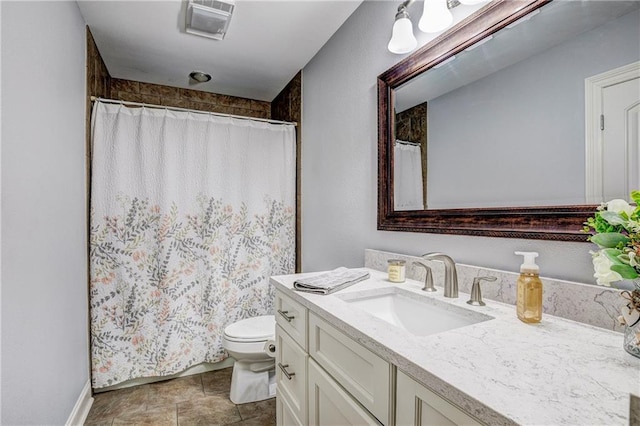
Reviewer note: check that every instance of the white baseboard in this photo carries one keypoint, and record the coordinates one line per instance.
(82, 407)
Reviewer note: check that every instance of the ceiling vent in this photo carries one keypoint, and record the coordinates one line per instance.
(209, 18)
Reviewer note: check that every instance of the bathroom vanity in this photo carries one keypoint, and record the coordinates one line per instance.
(368, 355)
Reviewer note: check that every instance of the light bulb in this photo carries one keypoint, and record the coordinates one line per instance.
(402, 38)
(436, 16)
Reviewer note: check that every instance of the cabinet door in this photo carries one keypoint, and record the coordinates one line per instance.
(417, 405)
(362, 373)
(291, 373)
(285, 415)
(292, 317)
(329, 404)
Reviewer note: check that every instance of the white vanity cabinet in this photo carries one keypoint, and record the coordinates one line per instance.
(291, 375)
(292, 317)
(417, 405)
(324, 377)
(291, 361)
(327, 378)
(330, 404)
(363, 374)
(285, 413)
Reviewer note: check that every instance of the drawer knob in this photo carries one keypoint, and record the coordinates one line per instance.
(284, 314)
(285, 372)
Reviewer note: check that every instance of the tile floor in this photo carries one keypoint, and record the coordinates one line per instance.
(201, 399)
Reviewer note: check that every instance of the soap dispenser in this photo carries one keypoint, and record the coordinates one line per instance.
(529, 300)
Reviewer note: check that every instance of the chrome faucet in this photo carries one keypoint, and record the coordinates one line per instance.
(450, 274)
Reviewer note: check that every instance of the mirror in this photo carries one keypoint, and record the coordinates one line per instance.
(502, 98)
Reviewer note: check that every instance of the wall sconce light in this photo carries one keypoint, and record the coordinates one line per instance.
(402, 38)
(436, 17)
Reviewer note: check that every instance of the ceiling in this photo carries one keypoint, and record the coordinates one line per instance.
(266, 44)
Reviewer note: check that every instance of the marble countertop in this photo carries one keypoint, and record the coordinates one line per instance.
(502, 371)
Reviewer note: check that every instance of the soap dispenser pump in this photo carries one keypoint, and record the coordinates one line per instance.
(529, 298)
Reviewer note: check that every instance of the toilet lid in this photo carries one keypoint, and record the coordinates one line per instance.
(256, 328)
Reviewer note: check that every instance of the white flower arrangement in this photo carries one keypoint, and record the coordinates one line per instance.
(615, 228)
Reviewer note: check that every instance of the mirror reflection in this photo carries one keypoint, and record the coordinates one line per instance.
(514, 120)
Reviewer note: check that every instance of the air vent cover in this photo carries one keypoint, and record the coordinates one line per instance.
(209, 18)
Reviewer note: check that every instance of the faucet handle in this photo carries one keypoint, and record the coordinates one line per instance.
(476, 295)
(428, 279)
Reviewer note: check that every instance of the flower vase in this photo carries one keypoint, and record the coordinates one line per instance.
(631, 314)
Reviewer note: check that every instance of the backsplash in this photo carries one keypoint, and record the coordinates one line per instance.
(589, 304)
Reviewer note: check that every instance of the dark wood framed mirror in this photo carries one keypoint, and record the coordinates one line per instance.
(549, 222)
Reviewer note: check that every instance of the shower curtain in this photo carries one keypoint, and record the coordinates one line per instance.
(190, 215)
(407, 177)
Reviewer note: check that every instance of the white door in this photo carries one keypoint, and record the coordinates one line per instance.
(620, 139)
(612, 101)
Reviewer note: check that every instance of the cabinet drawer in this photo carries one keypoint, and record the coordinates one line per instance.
(292, 317)
(362, 373)
(285, 415)
(418, 405)
(329, 404)
(291, 373)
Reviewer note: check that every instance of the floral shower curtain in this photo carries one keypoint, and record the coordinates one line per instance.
(190, 215)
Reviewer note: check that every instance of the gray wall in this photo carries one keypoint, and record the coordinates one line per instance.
(339, 164)
(521, 131)
(44, 269)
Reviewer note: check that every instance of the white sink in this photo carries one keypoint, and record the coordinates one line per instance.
(417, 314)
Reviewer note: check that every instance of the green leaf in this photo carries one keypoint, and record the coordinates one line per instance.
(600, 225)
(625, 271)
(613, 254)
(613, 218)
(624, 258)
(635, 196)
(609, 239)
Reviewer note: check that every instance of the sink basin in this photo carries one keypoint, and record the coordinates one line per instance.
(419, 315)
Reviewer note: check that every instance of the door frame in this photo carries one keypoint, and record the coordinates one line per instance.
(594, 87)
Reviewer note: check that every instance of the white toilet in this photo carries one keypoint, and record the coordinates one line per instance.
(251, 343)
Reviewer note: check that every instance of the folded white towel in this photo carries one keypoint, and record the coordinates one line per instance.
(332, 281)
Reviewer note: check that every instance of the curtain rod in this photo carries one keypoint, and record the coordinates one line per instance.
(115, 101)
(407, 143)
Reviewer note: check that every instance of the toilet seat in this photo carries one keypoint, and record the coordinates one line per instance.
(245, 350)
(236, 340)
(255, 329)
(251, 343)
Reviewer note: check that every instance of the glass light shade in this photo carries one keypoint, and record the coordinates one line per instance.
(471, 2)
(436, 16)
(402, 38)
